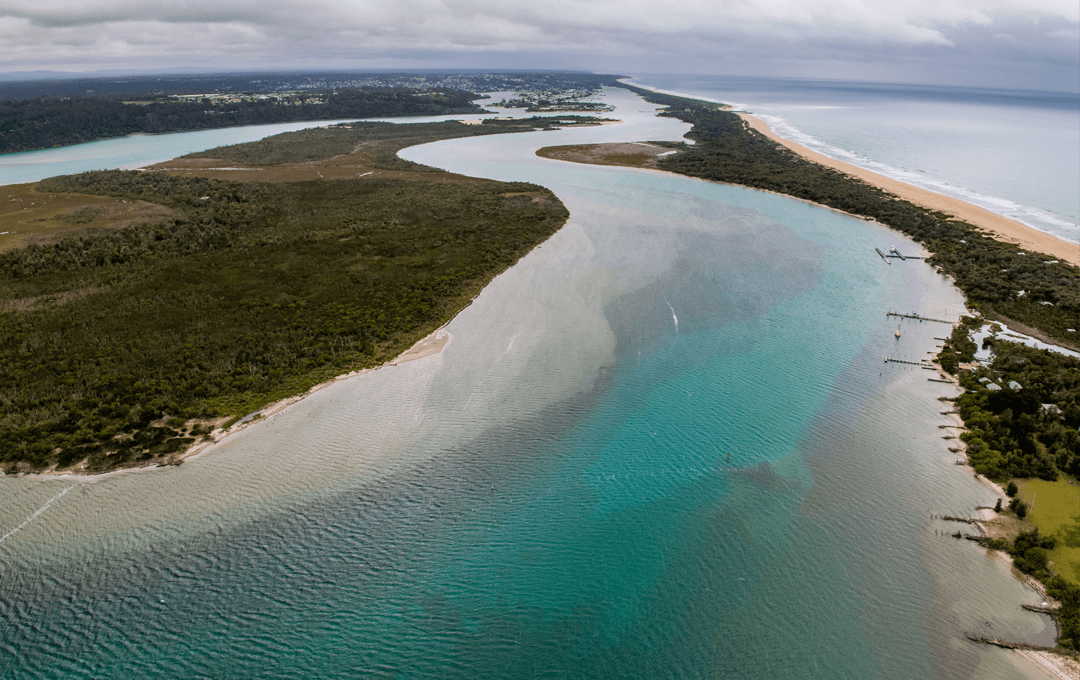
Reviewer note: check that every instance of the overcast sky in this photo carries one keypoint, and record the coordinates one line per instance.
(1028, 44)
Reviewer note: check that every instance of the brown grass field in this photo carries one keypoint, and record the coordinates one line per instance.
(27, 216)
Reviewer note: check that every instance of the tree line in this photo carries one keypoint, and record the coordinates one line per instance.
(57, 121)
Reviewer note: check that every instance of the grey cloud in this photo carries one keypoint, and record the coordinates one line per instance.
(815, 37)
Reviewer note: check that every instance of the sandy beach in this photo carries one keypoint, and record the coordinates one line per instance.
(1000, 227)
(1054, 665)
(433, 343)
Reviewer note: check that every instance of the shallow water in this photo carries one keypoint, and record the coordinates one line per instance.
(656, 447)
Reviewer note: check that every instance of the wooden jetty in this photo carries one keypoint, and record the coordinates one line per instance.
(905, 361)
(916, 316)
(893, 252)
(965, 520)
(1005, 644)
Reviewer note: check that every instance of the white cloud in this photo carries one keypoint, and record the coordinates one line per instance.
(1065, 34)
(88, 34)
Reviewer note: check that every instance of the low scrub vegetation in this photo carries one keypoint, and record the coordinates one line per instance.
(116, 341)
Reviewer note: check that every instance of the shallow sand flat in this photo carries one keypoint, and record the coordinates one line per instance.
(1001, 227)
(1053, 665)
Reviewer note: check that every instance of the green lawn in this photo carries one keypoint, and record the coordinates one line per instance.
(1056, 513)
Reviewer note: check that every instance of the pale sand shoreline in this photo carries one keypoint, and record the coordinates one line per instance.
(1054, 665)
(998, 226)
(434, 343)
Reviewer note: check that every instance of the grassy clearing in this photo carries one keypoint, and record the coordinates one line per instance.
(29, 216)
(1056, 512)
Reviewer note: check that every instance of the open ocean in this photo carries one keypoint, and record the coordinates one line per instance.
(1015, 153)
(654, 448)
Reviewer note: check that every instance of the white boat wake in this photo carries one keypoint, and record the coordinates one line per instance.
(40, 510)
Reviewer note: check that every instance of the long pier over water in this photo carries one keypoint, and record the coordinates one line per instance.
(893, 252)
(905, 361)
(917, 317)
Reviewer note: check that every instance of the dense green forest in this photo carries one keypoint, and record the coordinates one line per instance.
(1025, 431)
(119, 345)
(991, 273)
(57, 121)
(469, 81)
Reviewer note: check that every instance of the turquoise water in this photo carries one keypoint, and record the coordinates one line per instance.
(1011, 152)
(136, 151)
(130, 152)
(663, 445)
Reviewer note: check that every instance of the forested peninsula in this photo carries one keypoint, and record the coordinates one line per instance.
(58, 121)
(122, 344)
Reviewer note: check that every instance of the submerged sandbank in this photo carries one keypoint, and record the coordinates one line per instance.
(999, 226)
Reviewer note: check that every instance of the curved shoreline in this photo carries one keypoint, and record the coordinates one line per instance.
(433, 343)
(322, 384)
(999, 226)
(1050, 663)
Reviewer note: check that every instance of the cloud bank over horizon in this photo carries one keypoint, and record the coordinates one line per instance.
(1032, 44)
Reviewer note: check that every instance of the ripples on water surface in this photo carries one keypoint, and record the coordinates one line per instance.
(663, 445)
